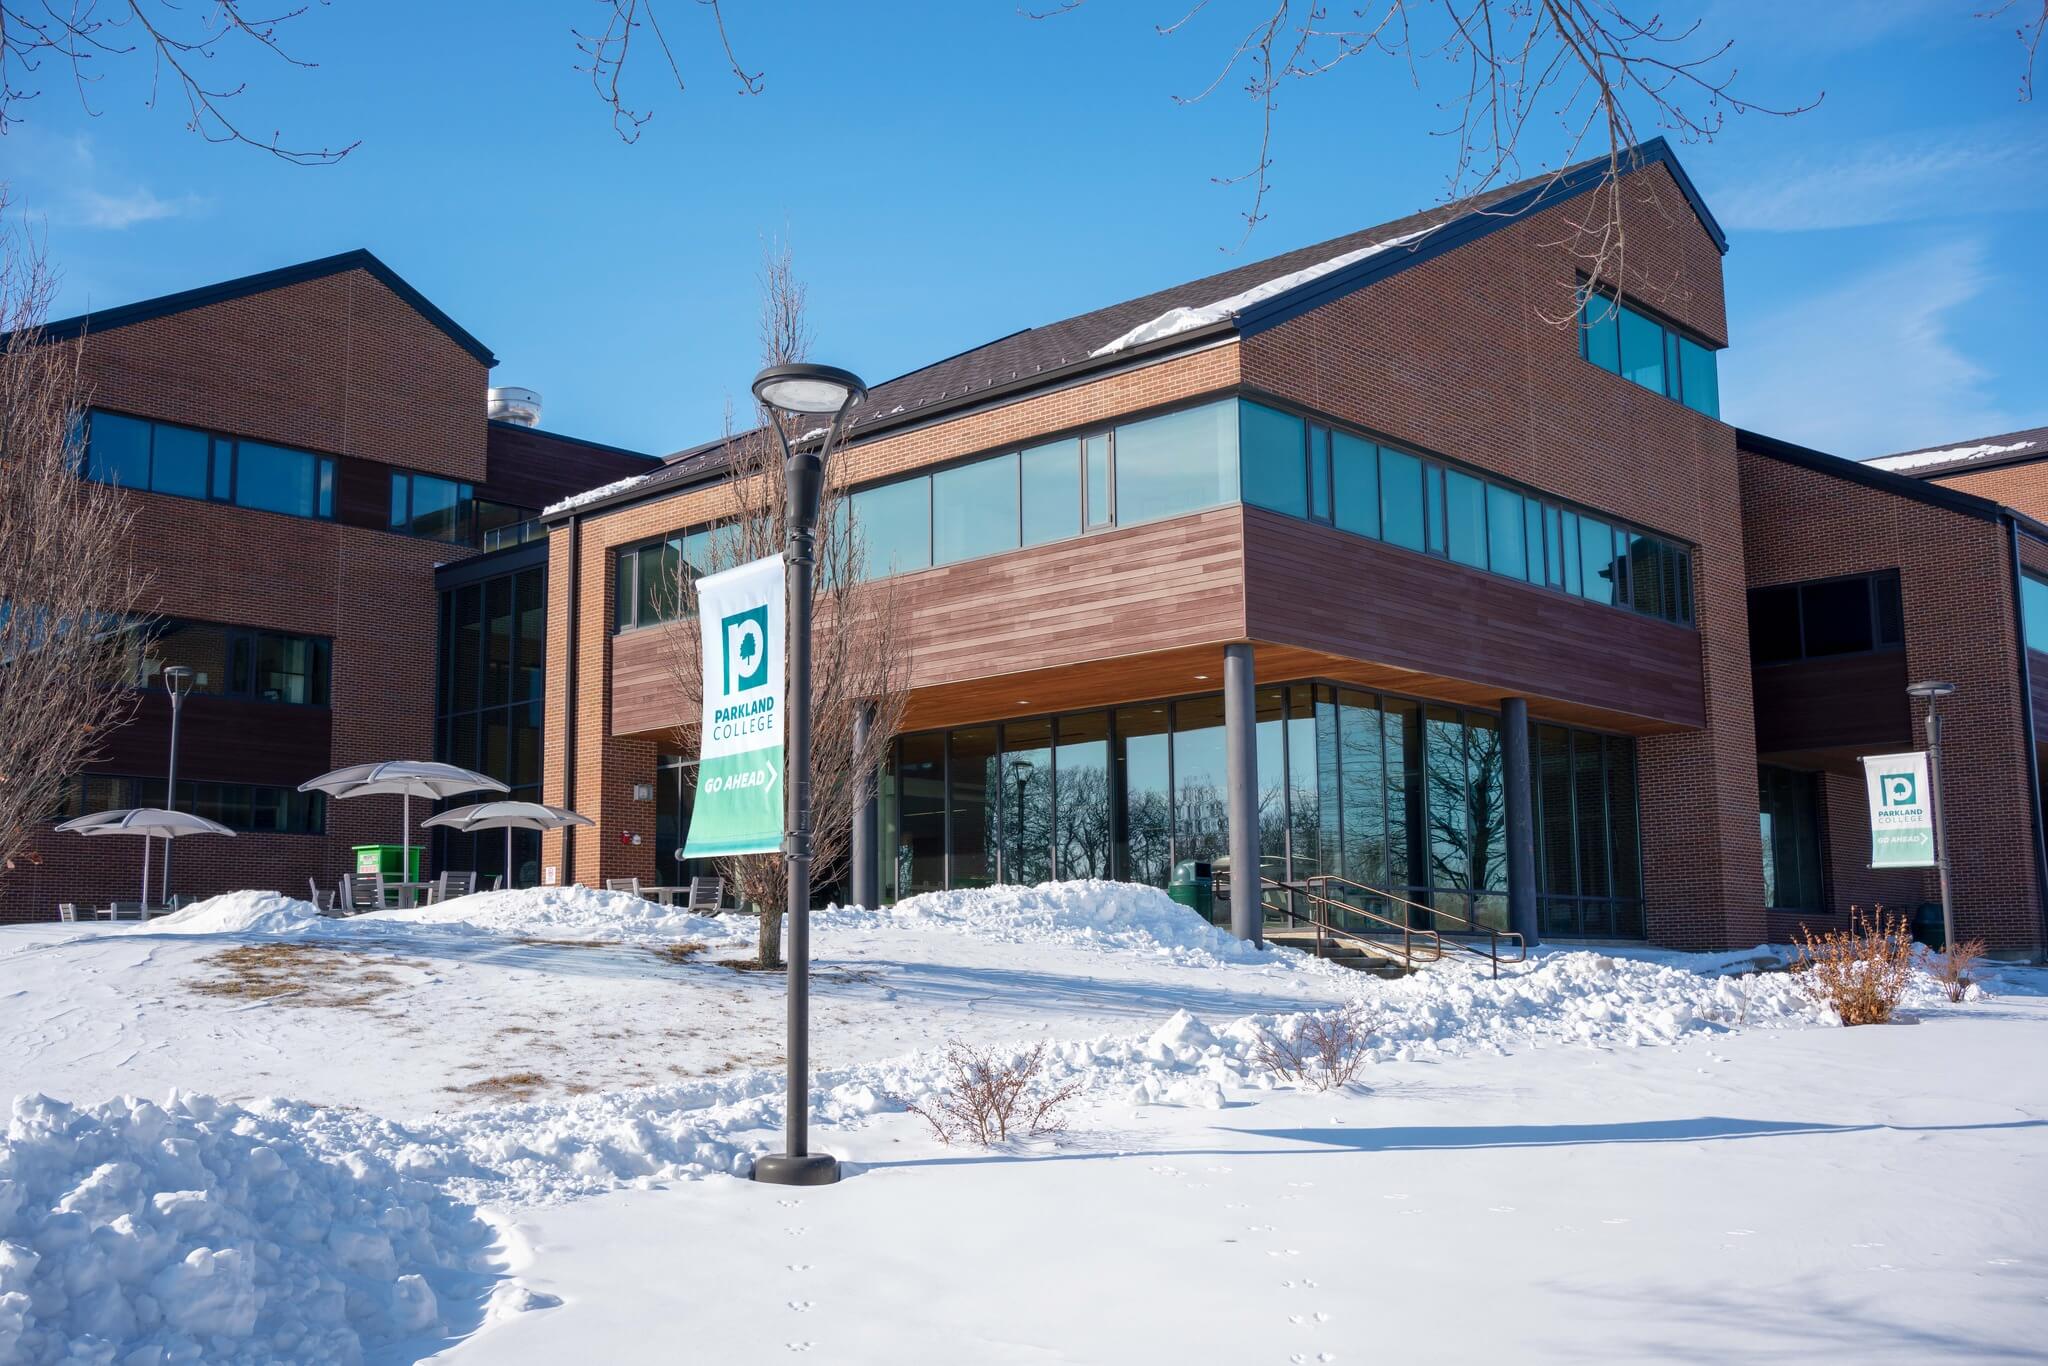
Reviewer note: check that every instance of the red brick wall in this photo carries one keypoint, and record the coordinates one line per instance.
(1955, 582)
(2024, 487)
(1463, 356)
(341, 366)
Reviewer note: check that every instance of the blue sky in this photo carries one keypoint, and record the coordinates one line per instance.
(991, 173)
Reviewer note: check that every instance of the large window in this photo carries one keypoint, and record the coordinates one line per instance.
(236, 661)
(1629, 342)
(1826, 617)
(134, 453)
(1788, 817)
(1399, 795)
(248, 807)
(493, 646)
(438, 509)
(2034, 608)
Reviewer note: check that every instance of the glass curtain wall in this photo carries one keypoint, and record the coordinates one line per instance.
(1395, 794)
(493, 646)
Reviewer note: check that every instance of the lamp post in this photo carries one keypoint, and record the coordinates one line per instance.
(1932, 691)
(178, 680)
(1020, 770)
(796, 393)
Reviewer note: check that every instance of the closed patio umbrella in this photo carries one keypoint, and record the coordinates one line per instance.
(510, 816)
(149, 822)
(407, 778)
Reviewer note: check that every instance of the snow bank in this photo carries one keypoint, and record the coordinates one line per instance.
(576, 912)
(271, 913)
(1175, 321)
(1115, 917)
(199, 1231)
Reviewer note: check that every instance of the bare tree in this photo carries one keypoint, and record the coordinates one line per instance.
(84, 38)
(857, 660)
(65, 577)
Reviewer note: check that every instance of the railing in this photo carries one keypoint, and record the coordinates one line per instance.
(519, 533)
(1460, 924)
(1417, 945)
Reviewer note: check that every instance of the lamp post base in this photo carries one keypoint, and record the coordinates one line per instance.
(812, 1169)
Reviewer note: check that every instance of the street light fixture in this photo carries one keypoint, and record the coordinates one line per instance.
(790, 392)
(178, 681)
(1932, 691)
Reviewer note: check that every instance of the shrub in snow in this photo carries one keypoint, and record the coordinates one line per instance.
(199, 1231)
(1862, 972)
(1956, 970)
(986, 1094)
(1323, 1050)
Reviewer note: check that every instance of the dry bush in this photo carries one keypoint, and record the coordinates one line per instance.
(987, 1094)
(1324, 1051)
(1957, 971)
(1860, 972)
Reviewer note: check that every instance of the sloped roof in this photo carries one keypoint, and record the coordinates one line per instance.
(1240, 301)
(106, 319)
(1985, 452)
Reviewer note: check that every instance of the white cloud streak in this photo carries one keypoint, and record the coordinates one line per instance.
(1894, 181)
(1870, 366)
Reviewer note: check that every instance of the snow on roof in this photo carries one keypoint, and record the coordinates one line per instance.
(1175, 321)
(1952, 455)
(577, 500)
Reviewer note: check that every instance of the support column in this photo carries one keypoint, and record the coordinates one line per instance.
(1241, 755)
(866, 888)
(1521, 817)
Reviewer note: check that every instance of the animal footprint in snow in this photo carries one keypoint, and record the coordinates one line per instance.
(1308, 1320)
(1258, 1228)
(1303, 1358)
(1740, 1232)
(799, 1346)
(789, 1204)
(799, 1266)
(1284, 1252)
(796, 1230)
(801, 1306)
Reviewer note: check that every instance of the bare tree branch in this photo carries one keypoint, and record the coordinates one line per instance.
(66, 583)
(2029, 33)
(82, 35)
(607, 50)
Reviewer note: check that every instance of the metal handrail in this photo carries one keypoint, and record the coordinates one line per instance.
(1494, 937)
(1430, 940)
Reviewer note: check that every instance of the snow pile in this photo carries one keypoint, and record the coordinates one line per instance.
(577, 500)
(573, 913)
(271, 913)
(1115, 917)
(1922, 459)
(198, 1231)
(1175, 321)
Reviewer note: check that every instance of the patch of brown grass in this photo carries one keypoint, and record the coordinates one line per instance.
(533, 941)
(320, 975)
(679, 952)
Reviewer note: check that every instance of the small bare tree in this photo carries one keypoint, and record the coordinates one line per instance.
(857, 659)
(65, 578)
(988, 1093)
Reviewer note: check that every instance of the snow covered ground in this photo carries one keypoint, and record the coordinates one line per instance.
(505, 1130)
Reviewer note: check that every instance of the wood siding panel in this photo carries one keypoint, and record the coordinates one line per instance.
(1857, 700)
(1328, 591)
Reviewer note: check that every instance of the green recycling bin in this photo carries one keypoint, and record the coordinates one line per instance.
(1193, 886)
(386, 859)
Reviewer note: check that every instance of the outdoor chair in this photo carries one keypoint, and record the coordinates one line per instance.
(498, 882)
(361, 893)
(125, 910)
(622, 884)
(67, 912)
(451, 885)
(705, 895)
(323, 902)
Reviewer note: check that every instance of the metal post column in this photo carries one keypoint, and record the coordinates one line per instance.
(1521, 817)
(1948, 921)
(1241, 756)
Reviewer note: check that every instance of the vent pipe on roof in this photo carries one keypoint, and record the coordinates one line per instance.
(511, 404)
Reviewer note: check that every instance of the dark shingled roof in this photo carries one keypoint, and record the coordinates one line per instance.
(1062, 349)
(1984, 452)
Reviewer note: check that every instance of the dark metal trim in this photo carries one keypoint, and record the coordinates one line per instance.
(2027, 728)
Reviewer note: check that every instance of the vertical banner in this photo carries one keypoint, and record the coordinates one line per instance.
(1901, 810)
(739, 807)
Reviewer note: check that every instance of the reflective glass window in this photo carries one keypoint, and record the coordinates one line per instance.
(1052, 492)
(117, 450)
(1506, 534)
(895, 527)
(1401, 498)
(1176, 463)
(1465, 515)
(974, 509)
(1273, 458)
(1355, 483)
(178, 461)
(1642, 349)
(1699, 377)
(1596, 560)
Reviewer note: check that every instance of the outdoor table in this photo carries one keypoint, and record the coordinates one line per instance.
(666, 895)
(407, 893)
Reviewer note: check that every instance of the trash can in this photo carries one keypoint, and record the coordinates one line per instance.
(385, 859)
(1193, 886)
(1927, 926)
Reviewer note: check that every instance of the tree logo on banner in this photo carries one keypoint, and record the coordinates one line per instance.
(746, 649)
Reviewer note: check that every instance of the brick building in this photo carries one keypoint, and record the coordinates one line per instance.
(1459, 550)
(302, 449)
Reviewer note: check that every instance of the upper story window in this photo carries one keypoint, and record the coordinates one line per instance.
(1207, 456)
(436, 508)
(1303, 468)
(250, 807)
(1826, 617)
(2034, 610)
(236, 661)
(135, 453)
(1623, 339)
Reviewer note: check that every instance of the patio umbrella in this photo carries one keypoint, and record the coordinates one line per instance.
(407, 778)
(511, 816)
(149, 822)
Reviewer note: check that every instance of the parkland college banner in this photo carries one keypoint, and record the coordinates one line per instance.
(739, 804)
(1901, 813)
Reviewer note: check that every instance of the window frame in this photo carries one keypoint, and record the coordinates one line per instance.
(1871, 579)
